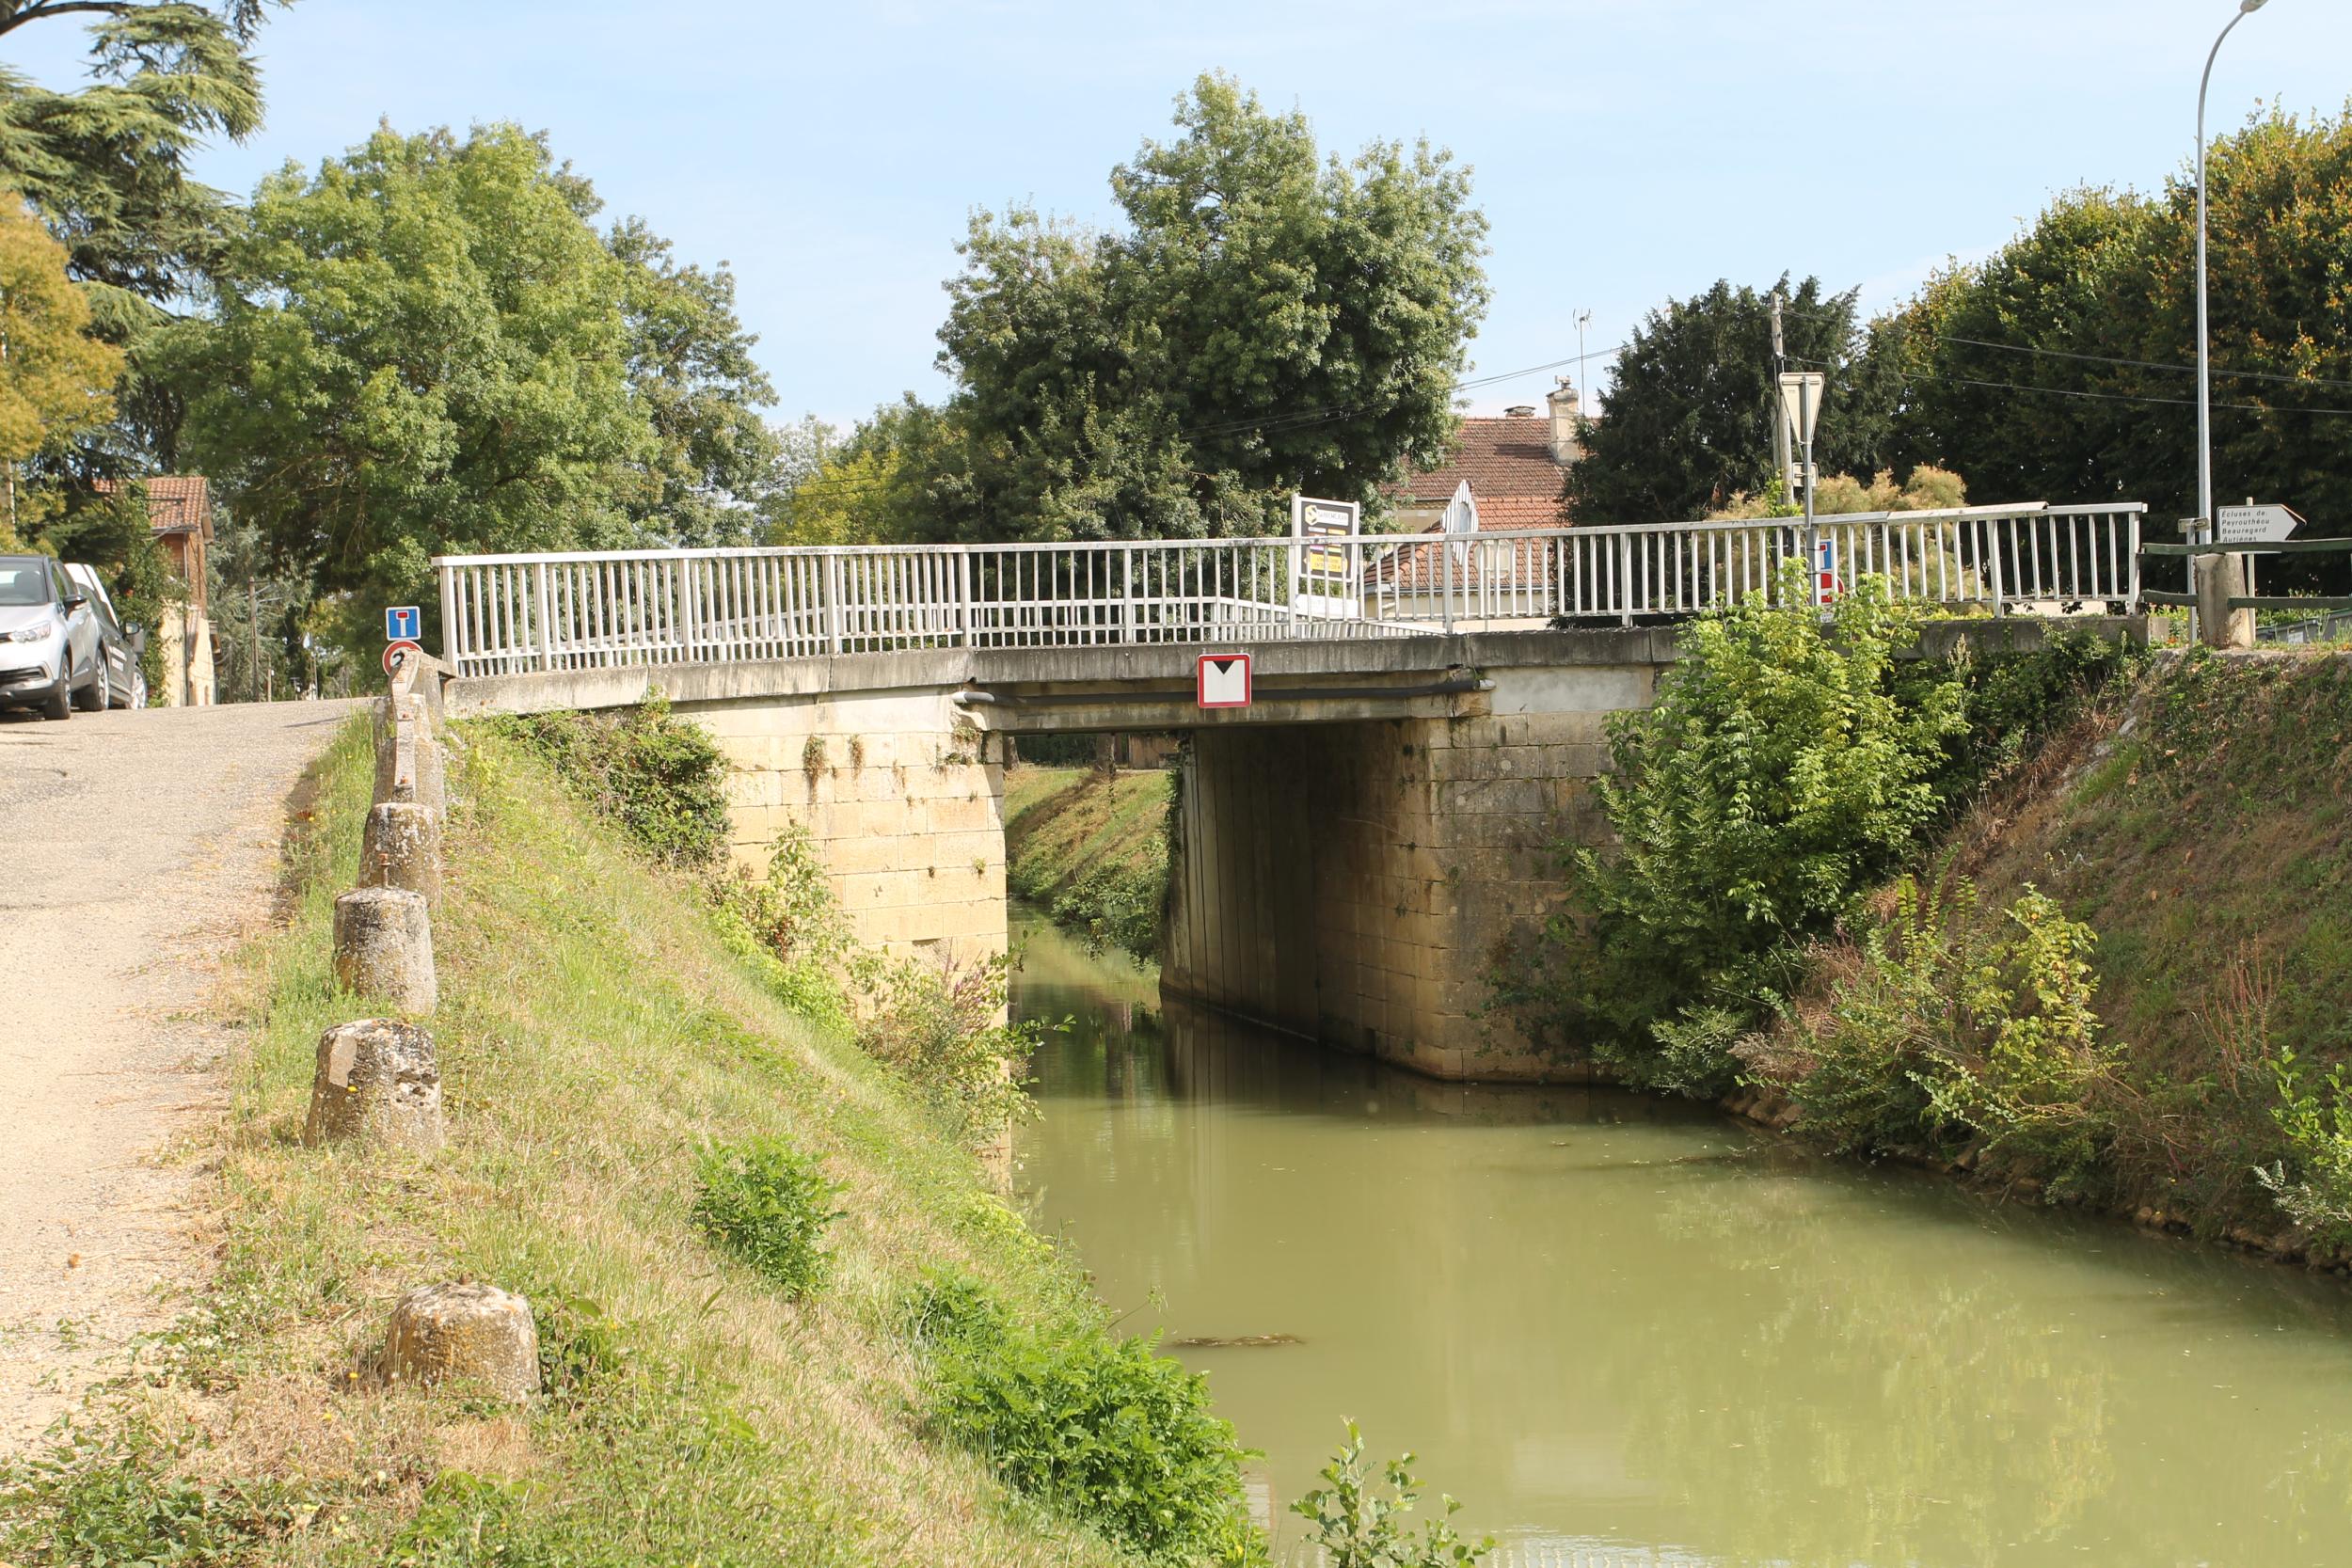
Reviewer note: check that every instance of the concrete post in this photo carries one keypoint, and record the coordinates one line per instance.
(377, 1084)
(478, 1333)
(384, 948)
(400, 846)
(2221, 578)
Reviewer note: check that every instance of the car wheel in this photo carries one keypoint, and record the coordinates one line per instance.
(58, 704)
(138, 688)
(92, 698)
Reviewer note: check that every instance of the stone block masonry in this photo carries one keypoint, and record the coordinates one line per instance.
(903, 795)
(1359, 882)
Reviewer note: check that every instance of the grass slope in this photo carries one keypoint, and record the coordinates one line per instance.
(1091, 848)
(594, 1034)
(2204, 833)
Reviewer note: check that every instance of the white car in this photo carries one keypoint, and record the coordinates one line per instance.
(49, 639)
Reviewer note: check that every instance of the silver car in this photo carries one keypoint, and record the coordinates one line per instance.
(49, 653)
(119, 645)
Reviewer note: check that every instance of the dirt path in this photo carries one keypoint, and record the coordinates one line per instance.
(135, 850)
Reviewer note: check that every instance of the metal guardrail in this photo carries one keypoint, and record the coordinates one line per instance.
(504, 614)
(2251, 601)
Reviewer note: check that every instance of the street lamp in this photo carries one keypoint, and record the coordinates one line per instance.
(2204, 356)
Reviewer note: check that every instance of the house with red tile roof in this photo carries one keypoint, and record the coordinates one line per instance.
(180, 515)
(1516, 465)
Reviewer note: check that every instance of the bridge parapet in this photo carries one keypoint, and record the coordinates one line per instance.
(510, 614)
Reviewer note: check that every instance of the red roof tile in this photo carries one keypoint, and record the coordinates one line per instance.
(176, 503)
(1505, 460)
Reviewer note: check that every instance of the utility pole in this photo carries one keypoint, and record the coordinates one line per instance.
(1782, 455)
(253, 627)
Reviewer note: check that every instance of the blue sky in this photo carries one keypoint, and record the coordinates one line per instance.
(1624, 152)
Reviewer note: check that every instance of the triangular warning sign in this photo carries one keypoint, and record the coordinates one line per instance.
(1222, 680)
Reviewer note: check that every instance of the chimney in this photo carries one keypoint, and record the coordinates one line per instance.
(1564, 448)
(1519, 411)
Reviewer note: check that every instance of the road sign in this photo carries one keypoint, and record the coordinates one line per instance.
(1801, 403)
(397, 649)
(2253, 525)
(1323, 572)
(1222, 680)
(1825, 568)
(401, 622)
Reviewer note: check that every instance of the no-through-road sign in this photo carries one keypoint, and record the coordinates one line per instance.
(401, 622)
(1222, 680)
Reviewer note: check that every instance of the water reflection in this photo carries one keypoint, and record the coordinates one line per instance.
(1624, 1331)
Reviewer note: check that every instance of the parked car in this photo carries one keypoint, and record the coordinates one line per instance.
(49, 654)
(119, 646)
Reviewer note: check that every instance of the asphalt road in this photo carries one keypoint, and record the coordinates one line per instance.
(136, 849)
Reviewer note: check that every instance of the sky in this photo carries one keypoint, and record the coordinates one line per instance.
(1624, 153)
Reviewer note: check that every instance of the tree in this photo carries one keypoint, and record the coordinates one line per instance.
(713, 458)
(2063, 367)
(1268, 320)
(865, 488)
(55, 379)
(1693, 402)
(422, 347)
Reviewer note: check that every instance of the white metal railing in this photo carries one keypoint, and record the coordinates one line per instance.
(506, 614)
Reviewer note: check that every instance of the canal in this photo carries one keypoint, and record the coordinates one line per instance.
(1628, 1332)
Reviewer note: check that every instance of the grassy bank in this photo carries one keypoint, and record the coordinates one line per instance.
(1091, 847)
(596, 1038)
(2127, 977)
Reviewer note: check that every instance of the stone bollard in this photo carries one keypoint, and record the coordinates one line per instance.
(2219, 578)
(402, 848)
(476, 1332)
(377, 1084)
(384, 948)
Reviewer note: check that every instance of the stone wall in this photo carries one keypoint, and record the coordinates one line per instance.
(903, 797)
(1359, 882)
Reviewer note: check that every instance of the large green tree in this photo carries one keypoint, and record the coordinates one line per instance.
(1265, 319)
(1692, 400)
(421, 346)
(2062, 367)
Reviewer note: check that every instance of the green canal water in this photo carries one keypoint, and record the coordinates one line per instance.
(1624, 1332)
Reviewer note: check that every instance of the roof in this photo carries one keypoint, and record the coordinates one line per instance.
(1511, 472)
(176, 503)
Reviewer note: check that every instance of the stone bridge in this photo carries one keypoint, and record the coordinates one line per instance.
(1355, 850)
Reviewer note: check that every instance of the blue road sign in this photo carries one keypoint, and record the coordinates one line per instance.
(401, 622)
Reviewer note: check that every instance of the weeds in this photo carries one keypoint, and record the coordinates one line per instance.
(768, 1205)
(1356, 1526)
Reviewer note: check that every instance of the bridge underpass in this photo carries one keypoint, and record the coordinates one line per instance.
(1356, 851)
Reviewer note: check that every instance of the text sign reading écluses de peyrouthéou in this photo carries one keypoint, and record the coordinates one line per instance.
(1222, 680)
(401, 622)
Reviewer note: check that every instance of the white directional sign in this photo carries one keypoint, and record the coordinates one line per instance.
(1222, 680)
(2253, 525)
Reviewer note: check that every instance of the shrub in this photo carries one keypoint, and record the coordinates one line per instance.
(1776, 775)
(1096, 1426)
(1939, 1033)
(1358, 1528)
(768, 1205)
(661, 778)
(944, 1030)
(2315, 1189)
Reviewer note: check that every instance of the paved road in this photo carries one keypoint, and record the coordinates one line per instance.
(135, 850)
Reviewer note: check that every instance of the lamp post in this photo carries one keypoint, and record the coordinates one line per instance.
(2204, 353)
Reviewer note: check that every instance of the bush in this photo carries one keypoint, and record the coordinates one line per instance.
(662, 779)
(768, 1205)
(2315, 1188)
(1939, 1034)
(944, 1031)
(1120, 905)
(1096, 1426)
(1356, 1527)
(1777, 774)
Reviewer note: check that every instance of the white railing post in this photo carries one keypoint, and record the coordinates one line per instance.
(833, 603)
(542, 618)
(964, 595)
(452, 630)
(686, 614)
(1625, 577)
